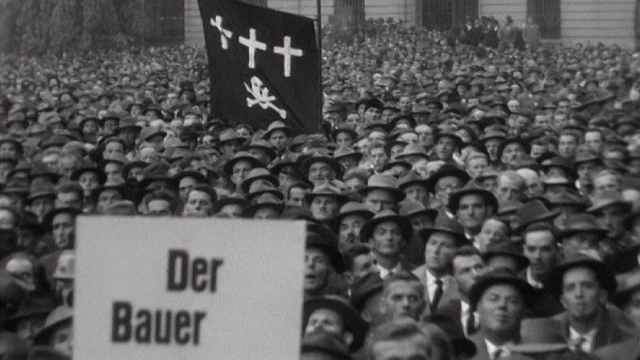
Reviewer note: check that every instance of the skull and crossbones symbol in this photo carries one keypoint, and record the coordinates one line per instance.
(262, 97)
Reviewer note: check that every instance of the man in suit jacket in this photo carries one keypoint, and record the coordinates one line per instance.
(583, 284)
(388, 233)
(441, 241)
(501, 299)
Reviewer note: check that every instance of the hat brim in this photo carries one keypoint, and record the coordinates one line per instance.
(522, 262)
(460, 239)
(366, 232)
(228, 167)
(489, 198)
(337, 260)
(604, 274)
(523, 287)
(306, 164)
(397, 194)
(599, 206)
(432, 181)
(352, 320)
(250, 210)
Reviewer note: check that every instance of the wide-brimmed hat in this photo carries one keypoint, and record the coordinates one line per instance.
(364, 288)
(230, 135)
(326, 241)
(262, 201)
(326, 189)
(383, 182)
(445, 171)
(241, 156)
(444, 224)
(126, 168)
(40, 189)
(258, 174)
(148, 133)
(514, 140)
(15, 142)
(344, 129)
(506, 248)
(316, 158)
(127, 123)
(265, 146)
(609, 198)
(603, 272)
(412, 208)
(413, 150)
(450, 134)
(496, 277)
(581, 223)
(411, 178)
(38, 169)
(121, 188)
(275, 126)
(353, 322)
(343, 152)
(201, 179)
(32, 306)
(567, 197)
(158, 171)
(57, 317)
(472, 188)
(350, 208)
(540, 335)
(532, 212)
(89, 167)
(259, 188)
(562, 163)
(228, 200)
(366, 232)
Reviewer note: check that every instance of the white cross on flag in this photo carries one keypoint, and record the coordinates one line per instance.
(264, 65)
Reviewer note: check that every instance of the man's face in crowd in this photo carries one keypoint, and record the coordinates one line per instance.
(279, 139)
(22, 269)
(296, 196)
(501, 309)
(149, 155)
(8, 149)
(512, 153)
(541, 250)
(404, 103)
(343, 139)
(611, 218)
(578, 242)
(63, 226)
(560, 120)
(445, 147)
(113, 148)
(240, 171)
(508, 189)
(476, 167)
(378, 158)
(593, 139)
(198, 204)
(541, 121)
(378, 200)
(324, 207)
(586, 170)
(41, 206)
(106, 198)
(533, 183)
(353, 121)
(466, 270)
(582, 295)
(387, 240)
(472, 211)
(88, 181)
(403, 299)
(364, 265)
(320, 172)
(567, 146)
(492, 148)
(438, 253)
(446, 186)
(493, 231)
(62, 339)
(372, 114)
(185, 186)
(230, 148)
(317, 270)
(537, 150)
(328, 321)
(349, 231)
(418, 193)
(606, 182)
(114, 173)
(425, 135)
(396, 150)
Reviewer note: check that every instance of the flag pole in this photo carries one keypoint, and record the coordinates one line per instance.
(319, 40)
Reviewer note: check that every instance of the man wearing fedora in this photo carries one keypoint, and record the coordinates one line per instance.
(348, 224)
(388, 233)
(381, 193)
(441, 241)
(610, 210)
(322, 261)
(334, 314)
(581, 232)
(472, 205)
(403, 296)
(501, 300)
(584, 285)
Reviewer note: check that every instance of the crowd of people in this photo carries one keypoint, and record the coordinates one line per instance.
(465, 201)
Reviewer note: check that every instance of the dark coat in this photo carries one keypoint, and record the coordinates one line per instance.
(449, 293)
(483, 354)
(610, 329)
(626, 350)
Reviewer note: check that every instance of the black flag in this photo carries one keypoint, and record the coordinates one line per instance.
(264, 65)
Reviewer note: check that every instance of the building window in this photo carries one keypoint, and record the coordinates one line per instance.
(546, 14)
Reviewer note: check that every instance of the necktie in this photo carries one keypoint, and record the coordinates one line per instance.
(471, 324)
(436, 296)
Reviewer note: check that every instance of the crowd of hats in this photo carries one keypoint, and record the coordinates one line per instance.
(131, 134)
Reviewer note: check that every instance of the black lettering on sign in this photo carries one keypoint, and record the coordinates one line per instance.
(198, 273)
(157, 326)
